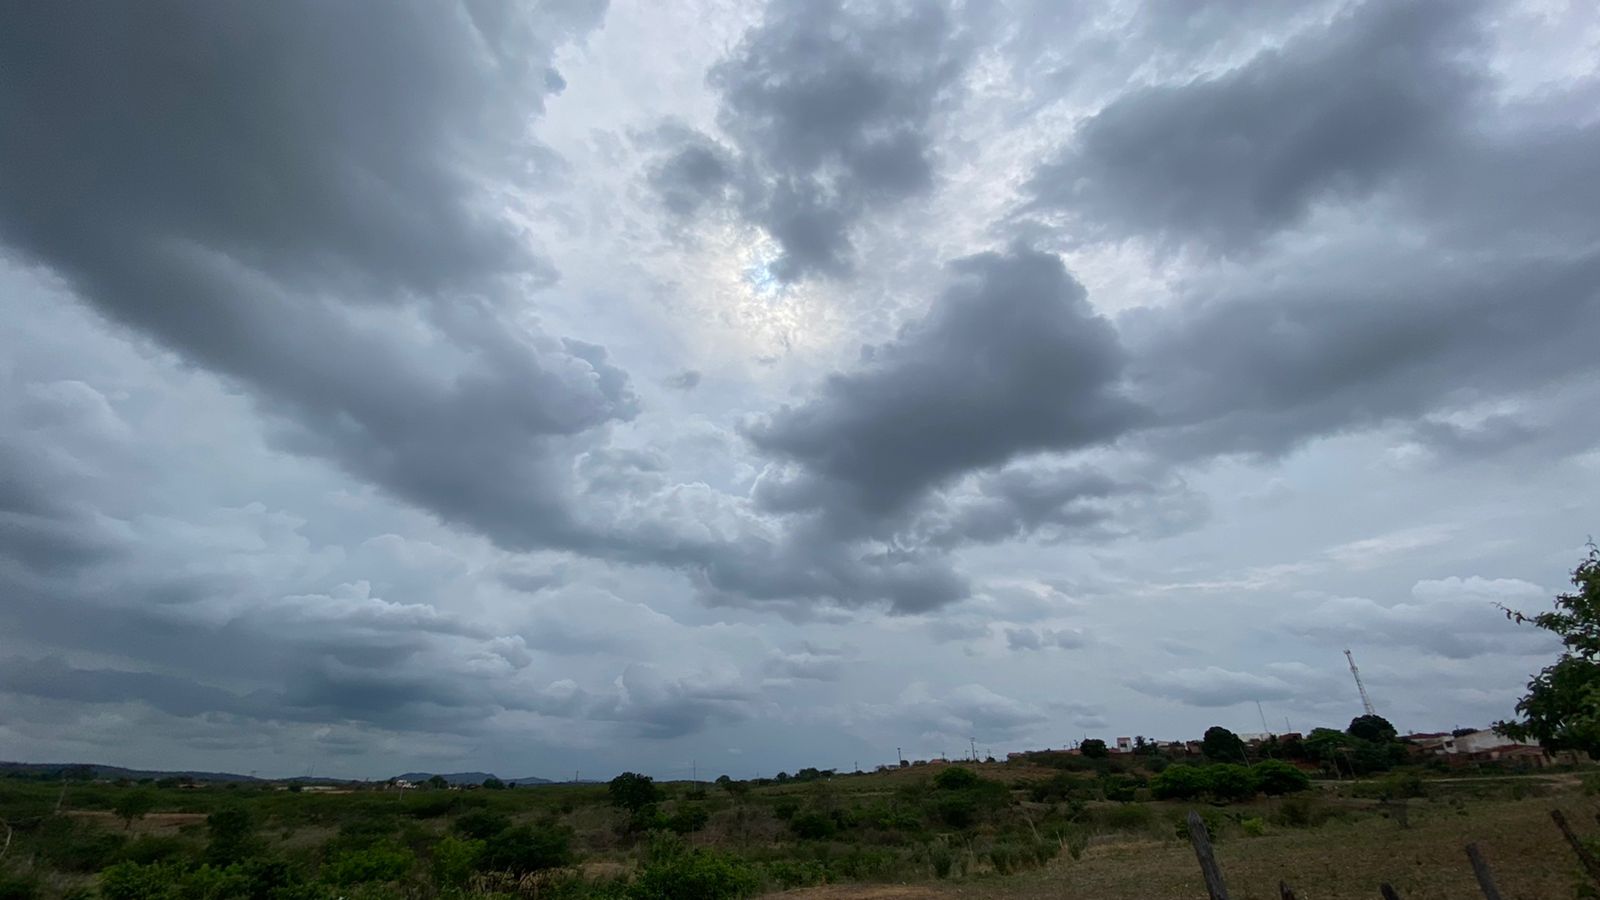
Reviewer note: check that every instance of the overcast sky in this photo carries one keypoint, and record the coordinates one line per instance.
(586, 387)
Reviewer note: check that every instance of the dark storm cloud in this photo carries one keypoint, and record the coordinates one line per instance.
(1010, 360)
(830, 108)
(1345, 343)
(291, 194)
(1226, 160)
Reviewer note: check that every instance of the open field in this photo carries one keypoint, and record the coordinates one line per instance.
(1007, 831)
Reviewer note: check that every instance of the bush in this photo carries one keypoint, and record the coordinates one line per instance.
(1119, 788)
(633, 791)
(1302, 811)
(689, 817)
(1276, 777)
(1124, 818)
(675, 872)
(1591, 783)
(942, 860)
(382, 861)
(150, 848)
(1060, 786)
(454, 861)
(529, 848)
(956, 778)
(16, 886)
(1179, 782)
(481, 824)
(74, 846)
(1254, 826)
(813, 825)
(131, 881)
(1228, 782)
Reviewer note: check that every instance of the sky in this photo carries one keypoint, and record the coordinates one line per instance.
(725, 388)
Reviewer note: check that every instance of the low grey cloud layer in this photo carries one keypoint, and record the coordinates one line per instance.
(478, 386)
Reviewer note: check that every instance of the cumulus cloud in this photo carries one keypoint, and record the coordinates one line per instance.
(1228, 159)
(265, 203)
(830, 110)
(1010, 360)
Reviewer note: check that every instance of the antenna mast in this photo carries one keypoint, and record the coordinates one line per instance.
(1366, 702)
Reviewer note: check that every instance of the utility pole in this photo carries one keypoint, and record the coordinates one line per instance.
(899, 756)
(1366, 702)
(974, 742)
(1263, 715)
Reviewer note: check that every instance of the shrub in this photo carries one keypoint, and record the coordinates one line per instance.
(1124, 818)
(1229, 782)
(131, 881)
(1302, 812)
(675, 872)
(454, 860)
(1591, 783)
(382, 861)
(633, 791)
(688, 818)
(1179, 782)
(482, 824)
(16, 886)
(1060, 786)
(1119, 788)
(75, 846)
(1254, 826)
(529, 848)
(958, 810)
(956, 778)
(1276, 777)
(813, 825)
(232, 831)
(942, 860)
(150, 848)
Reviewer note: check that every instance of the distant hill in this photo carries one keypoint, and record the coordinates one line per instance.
(470, 778)
(95, 770)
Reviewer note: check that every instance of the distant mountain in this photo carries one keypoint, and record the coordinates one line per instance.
(469, 778)
(94, 770)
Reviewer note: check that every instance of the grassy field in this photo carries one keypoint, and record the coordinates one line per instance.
(1017, 831)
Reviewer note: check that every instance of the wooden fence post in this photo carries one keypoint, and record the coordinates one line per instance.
(1209, 870)
(1388, 891)
(1480, 868)
(1590, 864)
(1285, 892)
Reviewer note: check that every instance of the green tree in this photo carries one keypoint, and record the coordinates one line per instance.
(454, 861)
(633, 791)
(437, 782)
(1562, 707)
(1230, 781)
(955, 778)
(232, 830)
(494, 784)
(1277, 777)
(1094, 748)
(1180, 782)
(133, 805)
(1222, 745)
(529, 848)
(1374, 728)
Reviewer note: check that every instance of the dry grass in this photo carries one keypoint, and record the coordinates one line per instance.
(1342, 859)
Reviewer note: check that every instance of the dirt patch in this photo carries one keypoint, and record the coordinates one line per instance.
(153, 823)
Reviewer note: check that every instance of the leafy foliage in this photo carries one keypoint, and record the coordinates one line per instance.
(1222, 745)
(1373, 728)
(1562, 707)
(1094, 748)
(529, 848)
(633, 791)
(1277, 777)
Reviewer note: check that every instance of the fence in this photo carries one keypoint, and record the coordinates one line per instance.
(1217, 888)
